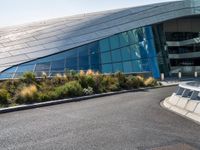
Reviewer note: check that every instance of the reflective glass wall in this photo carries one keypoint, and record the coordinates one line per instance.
(132, 51)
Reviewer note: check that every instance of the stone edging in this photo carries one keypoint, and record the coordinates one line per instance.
(189, 110)
(68, 100)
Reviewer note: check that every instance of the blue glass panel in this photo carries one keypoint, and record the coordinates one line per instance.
(114, 42)
(143, 49)
(104, 45)
(9, 73)
(22, 69)
(137, 66)
(93, 48)
(71, 53)
(140, 34)
(133, 37)
(106, 57)
(42, 68)
(117, 67)
(25, 68)
(135, 52)
(116, 55)
(95, 67)
(44, 60)
(151, 48)
(85, 68)
(154, 66)
(58, 56)
(83, 51)
(58, 66)
(148, 32)
(71, 64)
(94, 59)
(127, 67)
(146, 65)
(124, 39)
(107, 68)
(126, 53)
(84, 61)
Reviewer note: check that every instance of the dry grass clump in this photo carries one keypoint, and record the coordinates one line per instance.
(150, 82)
(27, 94)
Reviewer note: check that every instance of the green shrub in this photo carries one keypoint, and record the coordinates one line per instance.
(28, 78)
(70, 89)
(59, 80)
(110, 84)
(4, 97)
(122, 79)
(86, 81)
(99, 87)
(48, 96)
(27, 94)
(88, 91)
(11, 86)
(134, 82)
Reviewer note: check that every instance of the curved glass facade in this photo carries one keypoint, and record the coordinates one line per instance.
(132, 51)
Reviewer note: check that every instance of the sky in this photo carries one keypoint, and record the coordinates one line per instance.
(15, 12)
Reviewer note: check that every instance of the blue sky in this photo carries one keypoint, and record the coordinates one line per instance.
(13, 12)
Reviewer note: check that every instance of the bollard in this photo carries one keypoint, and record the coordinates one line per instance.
(162, 76)
(179, 75)
(195, 74)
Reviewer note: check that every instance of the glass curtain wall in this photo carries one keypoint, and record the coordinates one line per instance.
(132, 51)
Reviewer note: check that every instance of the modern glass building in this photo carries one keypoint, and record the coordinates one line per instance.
(151, 39)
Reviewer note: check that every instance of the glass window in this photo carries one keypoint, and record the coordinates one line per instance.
(117, 67)
(84, 61)
(8, 73)
(127, 66)
(151, 48)
(148, 32)
(42, 68)
(104, 45)
(106, 57)
(22, 69)
(137, 66)
(133, 36)
(114, 42)
(146, 65)
(140, 34)
(83, 51)
(107, 68)
(58, 66)
(180, 91)
(126, 53)
(143, 49)
(116, 55)
(135, 52)
(82, 67)
(95, 67)
(124, 39)
(94, 59)
(71, 64)
(187, 93)
(43, 60)
(59, 56)
(93, 48)
(25, 68)
(71, 54)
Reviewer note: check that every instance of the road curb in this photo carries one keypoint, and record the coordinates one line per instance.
(75, 99)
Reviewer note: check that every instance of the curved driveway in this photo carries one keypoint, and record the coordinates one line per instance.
(120, 122)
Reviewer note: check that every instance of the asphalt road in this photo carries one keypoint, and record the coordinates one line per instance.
(120, 122)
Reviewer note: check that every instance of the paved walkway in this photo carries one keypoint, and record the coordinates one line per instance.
(120, 122)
